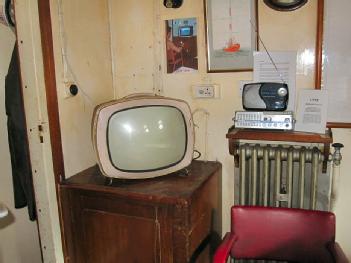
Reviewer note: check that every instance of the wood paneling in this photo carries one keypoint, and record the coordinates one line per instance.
(50, 86)
(114, 237)
(319, 44)
(274, 135)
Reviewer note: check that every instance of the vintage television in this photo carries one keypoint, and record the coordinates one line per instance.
(185, 31)
(143, 136)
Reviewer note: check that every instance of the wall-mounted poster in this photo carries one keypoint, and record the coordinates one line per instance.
(181, 45)
(231, 34)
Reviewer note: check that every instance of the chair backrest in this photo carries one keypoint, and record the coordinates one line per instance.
(282, 234)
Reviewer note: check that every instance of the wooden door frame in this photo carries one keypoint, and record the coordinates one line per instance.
(52, 106)
(50, 87)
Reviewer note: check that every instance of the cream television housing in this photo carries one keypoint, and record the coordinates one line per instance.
(143, 136)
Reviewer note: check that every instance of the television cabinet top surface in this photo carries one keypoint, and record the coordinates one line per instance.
(171, 188)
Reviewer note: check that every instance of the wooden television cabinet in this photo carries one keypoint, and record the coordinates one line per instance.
(173, 218)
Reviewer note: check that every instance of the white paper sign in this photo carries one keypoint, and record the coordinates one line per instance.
(282, 70)
(312, 111)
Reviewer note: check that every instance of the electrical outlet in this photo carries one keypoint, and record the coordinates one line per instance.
(209, 91)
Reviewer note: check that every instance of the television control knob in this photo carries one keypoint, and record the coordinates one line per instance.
(282, 92)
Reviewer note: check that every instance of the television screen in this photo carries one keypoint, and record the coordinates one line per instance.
(185, 31)
(143, 136)
(143, 133)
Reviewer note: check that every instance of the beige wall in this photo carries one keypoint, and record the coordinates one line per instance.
(342, 209)
(135, 32)
(88, 54)
(19, 240)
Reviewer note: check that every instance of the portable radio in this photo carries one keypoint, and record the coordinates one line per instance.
(265, 96)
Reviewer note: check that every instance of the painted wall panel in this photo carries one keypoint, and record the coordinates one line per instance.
(337, 60)
(81, 34)
(133, 30)
(32, 72)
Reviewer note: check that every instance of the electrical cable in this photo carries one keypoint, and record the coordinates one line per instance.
(113, 66)
(207, 114)
(198, 156)
(267, 52)
(66, 64)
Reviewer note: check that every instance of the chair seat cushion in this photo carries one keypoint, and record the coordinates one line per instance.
(295, 235)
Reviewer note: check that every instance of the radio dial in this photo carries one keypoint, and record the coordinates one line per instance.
(282, 92)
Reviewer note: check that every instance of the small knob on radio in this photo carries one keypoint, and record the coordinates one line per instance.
(282, 92)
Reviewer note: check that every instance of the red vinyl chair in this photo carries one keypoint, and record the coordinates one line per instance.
(293, 235)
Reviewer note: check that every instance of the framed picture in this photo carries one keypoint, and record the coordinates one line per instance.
(231, 34)
(181, 45)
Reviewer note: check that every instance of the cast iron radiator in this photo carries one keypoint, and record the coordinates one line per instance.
(281, 176)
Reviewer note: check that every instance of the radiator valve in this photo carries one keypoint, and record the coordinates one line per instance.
(337, 157)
